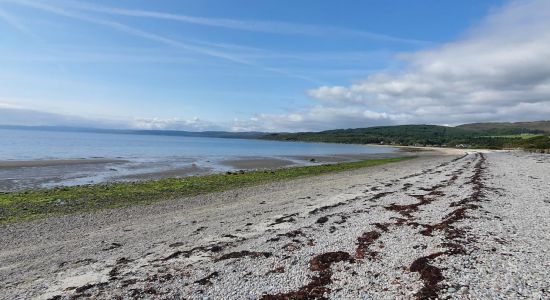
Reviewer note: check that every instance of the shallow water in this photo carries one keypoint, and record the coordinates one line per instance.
(138, 157)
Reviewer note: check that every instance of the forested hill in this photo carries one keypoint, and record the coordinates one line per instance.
(512, 128)
(496, 137)
(529, 135)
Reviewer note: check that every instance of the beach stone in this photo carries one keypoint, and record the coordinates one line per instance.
(462, 226)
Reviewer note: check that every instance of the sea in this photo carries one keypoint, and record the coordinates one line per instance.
(134, 155)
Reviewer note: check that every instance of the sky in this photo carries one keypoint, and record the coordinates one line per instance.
(284, 65)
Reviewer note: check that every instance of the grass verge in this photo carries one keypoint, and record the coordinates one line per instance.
(35, 204)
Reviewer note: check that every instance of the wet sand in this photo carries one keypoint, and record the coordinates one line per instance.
(25, 175)
(56, 162)
(28, 175)
(304, 160)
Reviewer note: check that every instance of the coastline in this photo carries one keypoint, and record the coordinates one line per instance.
(42, 203)
(38, 174)
(476, 215)
(16, 176)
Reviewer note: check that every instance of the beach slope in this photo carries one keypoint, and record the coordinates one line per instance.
(465, 226)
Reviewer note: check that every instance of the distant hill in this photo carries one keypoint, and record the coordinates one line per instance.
(513, 128)
(476, 136)
(215, 134)
(401, 134)
(529, 135)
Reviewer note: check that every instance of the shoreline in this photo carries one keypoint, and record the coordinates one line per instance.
(42, 203)
(38, 174)
(479, 222)
(28, 175)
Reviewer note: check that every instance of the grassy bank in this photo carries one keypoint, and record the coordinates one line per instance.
(15, 207)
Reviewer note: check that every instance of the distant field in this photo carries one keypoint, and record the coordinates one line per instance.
(36, 204)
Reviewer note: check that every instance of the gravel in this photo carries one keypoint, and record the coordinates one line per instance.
(474, 226)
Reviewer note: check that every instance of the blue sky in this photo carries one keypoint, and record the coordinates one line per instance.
(254, 65)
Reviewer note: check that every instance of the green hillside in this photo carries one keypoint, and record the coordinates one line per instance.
(495, 137)
(511, 128)
(403, 135)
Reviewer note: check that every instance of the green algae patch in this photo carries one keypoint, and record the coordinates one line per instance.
(35, 204)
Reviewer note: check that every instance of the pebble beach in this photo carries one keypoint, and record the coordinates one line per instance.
(464, 225)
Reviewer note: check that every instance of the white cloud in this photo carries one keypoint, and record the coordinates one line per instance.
(194, 124)
(17, 115)
(9, 105)
(499, 71)
(318, 117)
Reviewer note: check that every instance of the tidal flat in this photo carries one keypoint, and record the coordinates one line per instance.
(39, 203)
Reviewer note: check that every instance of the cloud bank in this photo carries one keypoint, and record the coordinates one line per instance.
(14, 115)
(499, 71)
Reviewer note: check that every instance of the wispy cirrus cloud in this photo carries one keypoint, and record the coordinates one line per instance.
(59, 10)
(286, 28)
(15, 23)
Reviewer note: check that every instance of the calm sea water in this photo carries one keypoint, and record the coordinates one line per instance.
(39, 145)
(139, 157)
